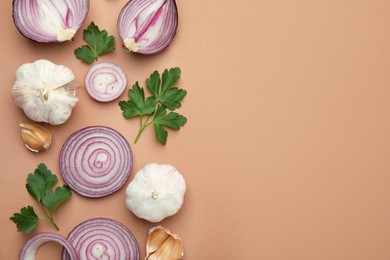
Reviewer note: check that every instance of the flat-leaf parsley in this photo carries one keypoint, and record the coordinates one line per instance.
(159, 106)
(99, 43)
(39, 185)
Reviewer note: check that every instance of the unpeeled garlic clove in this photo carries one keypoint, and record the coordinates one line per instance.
(35, 137)
(161, 244)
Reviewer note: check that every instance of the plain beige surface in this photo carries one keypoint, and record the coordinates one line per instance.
(287, 146)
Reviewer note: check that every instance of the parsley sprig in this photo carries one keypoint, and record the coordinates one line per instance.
(99, 43)
(40, 186)
(159, 106)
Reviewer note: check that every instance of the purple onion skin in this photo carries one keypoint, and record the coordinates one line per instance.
(169, 38)
(29, 250)
(16, 22)
(103, 225)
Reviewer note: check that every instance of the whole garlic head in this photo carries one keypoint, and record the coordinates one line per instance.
(44, 91)
(156, 192)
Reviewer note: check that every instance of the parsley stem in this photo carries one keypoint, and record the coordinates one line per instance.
(142, 128)
(139, 134)
(49, 217)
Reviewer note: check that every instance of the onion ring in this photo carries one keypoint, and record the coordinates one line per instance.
(31, 246)
(96, 161)
(103, 238)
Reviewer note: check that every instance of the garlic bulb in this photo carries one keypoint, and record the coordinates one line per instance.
(35, 137)
(44, 91)
(156, 192)
(162, 244)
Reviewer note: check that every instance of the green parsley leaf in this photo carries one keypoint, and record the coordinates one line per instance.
(164, 96)
(137, 105)
(26, 220)
(85, 53)
(172, 120)
(153, 83)
(40, 181)
(54, 199)
(99, 43)
(172, 97)
(169, 78)
(39, 185)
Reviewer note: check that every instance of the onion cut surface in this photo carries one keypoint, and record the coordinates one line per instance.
(148, 26)
(103, 238)
(105, 81)
(49, 21)
(96, 161)
(31, 246)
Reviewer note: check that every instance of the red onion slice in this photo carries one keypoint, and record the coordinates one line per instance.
(96, 161)
(105, 81)
(103, 238)
(49, 21)
(30, 248)
(148, 26)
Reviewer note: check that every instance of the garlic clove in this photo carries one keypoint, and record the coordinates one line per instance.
(156, 239)
(35, 137)
(161, 244)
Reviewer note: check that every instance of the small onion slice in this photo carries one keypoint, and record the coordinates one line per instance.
(30, 248)
(103, 238)
(105, 81)
(96, 161)
(49, 21)
(148, 26)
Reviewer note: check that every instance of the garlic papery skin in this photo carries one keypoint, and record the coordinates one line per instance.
(162, 244)
(156, 192)
(45, 91)
(36, 138)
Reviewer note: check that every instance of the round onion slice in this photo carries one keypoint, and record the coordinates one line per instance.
(96, 161)
(105, 81)
(49, 21)
(148, 26)
(103, 238)
(30, 248)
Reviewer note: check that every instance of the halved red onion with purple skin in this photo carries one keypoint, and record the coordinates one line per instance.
(105, 81)
(96, 161)
(48, 20)
(148, 26)
(32, 245)
(103, 238)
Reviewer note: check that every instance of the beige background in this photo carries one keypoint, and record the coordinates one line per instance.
(286, 150)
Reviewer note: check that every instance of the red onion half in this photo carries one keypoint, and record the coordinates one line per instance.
(103, 238)
(30, 248)
(96, 161)
(49, 21)
(105, 81)
(148, 26)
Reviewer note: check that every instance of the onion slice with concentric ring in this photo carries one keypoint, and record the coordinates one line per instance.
(49, 21)
(103, 238)
(148, 26)
(105, 81)
(32, 245)
(96, 161)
